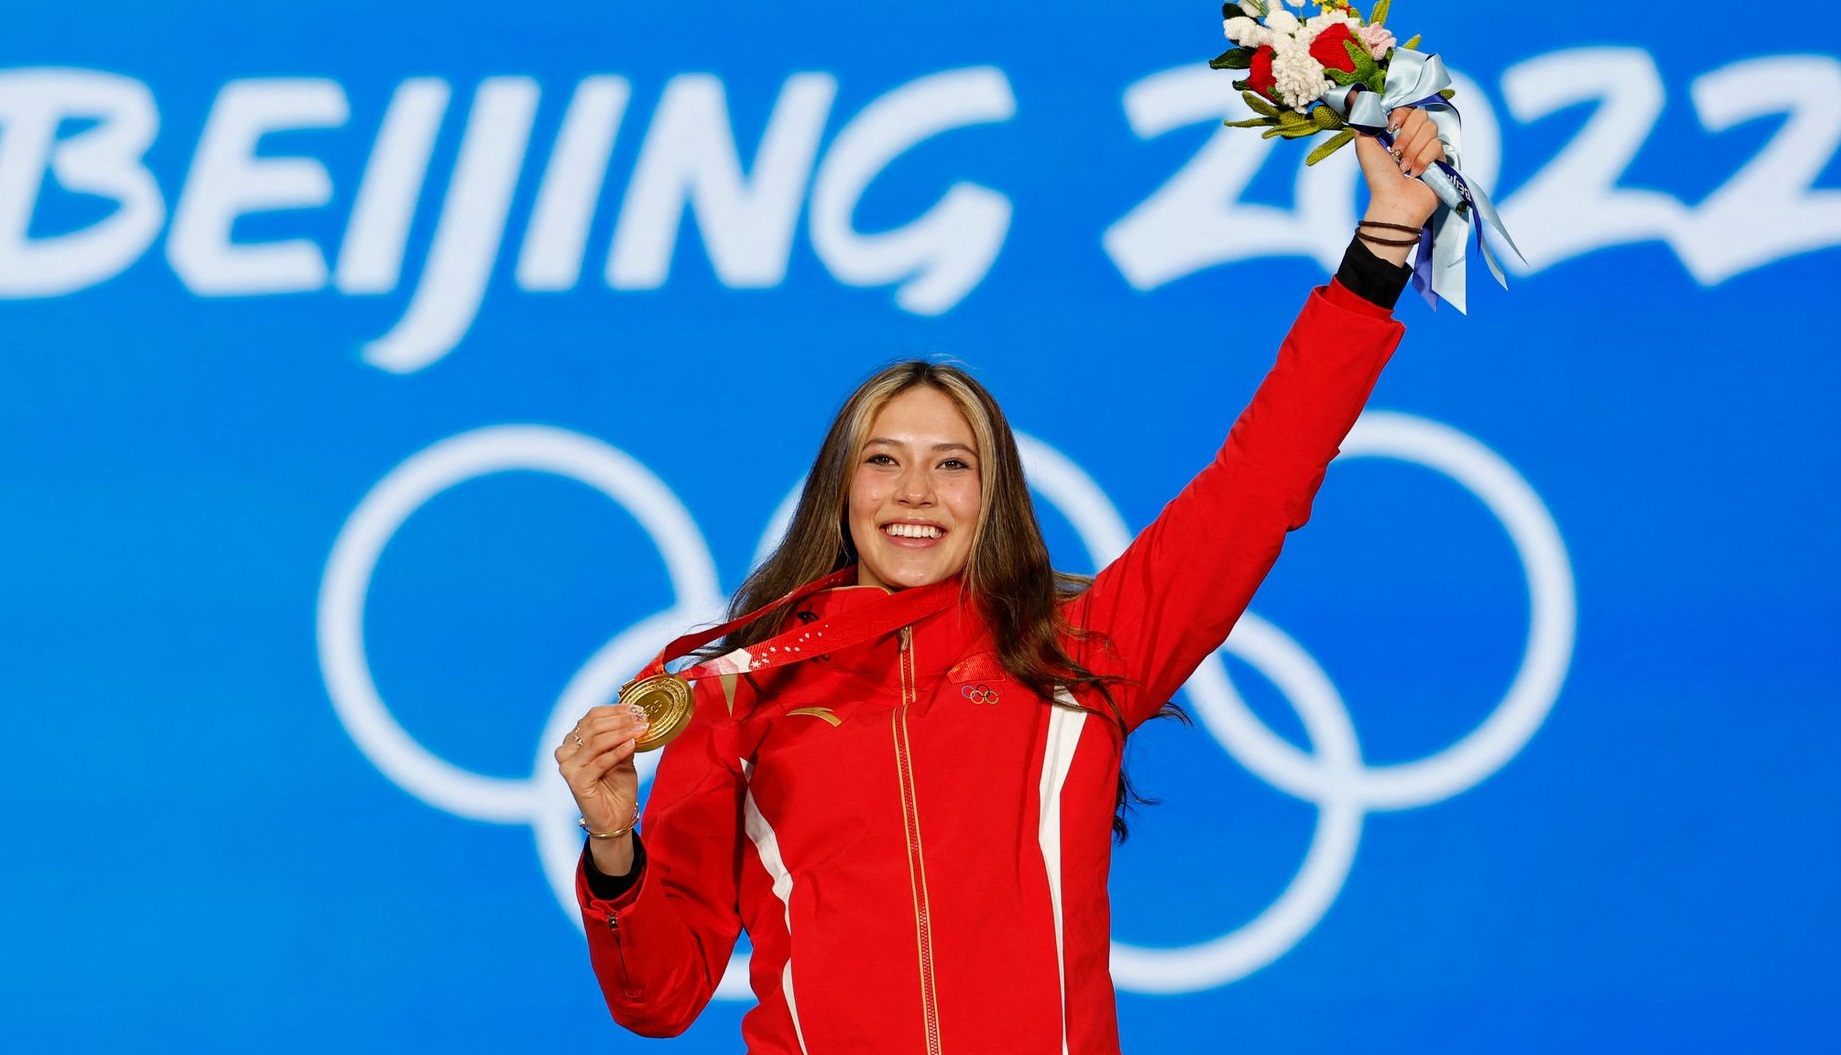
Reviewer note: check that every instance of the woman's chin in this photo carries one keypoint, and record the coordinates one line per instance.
(897, 577)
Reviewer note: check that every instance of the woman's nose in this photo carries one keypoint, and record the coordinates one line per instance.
(915, 489)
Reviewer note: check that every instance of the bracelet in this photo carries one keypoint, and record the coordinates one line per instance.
(582, 823)
(1388, 226)
(1375, 239)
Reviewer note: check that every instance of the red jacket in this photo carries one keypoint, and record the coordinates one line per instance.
(917, 846)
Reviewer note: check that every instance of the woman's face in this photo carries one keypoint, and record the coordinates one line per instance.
(916, 492)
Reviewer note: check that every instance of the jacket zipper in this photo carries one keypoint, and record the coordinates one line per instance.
(917, 865)
(626, 979)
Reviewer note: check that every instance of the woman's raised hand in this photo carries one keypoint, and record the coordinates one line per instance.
(596, 759)
(1394, 195)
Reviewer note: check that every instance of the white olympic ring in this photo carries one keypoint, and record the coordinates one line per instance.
(1335, 778)
(412, 485)
(1332, 776)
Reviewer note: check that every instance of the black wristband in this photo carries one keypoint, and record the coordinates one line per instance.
(605, 887)
(1371, 278)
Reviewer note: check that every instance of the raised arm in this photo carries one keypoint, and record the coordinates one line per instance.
(1175, 593)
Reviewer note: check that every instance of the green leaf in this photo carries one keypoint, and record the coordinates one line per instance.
(1232, 59)
(1449, 93)
(1325, 118)
(1330, 146)
(1413, 44)
(1251, 122)
(1256, 102)
(1380, 13)
(1364, 62)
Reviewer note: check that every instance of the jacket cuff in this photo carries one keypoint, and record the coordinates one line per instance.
(603, 887)
(1371, 278)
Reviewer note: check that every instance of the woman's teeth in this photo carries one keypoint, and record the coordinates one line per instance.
(912, 530)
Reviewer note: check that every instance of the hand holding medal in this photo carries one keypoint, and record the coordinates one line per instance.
(596, 759)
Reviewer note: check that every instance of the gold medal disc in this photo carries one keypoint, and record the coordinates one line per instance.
(666, 700)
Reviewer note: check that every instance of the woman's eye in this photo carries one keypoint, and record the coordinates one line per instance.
(954, 463)
(879, 459)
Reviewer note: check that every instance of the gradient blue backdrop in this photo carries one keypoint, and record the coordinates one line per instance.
(199, 857)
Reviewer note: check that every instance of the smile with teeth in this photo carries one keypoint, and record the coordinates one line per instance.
(913, 530)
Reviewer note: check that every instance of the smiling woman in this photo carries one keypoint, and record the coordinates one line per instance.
(905, 783)
(916, 495)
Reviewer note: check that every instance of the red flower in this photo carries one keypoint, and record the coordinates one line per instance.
(1331, 48)
(1259, 74)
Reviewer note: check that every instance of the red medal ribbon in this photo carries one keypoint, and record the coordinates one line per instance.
(810, 641)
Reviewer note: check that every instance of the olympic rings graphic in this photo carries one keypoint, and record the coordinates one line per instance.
(1331, 775)
(978, 693)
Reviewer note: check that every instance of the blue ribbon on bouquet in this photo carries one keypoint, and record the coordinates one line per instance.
(1414, 79)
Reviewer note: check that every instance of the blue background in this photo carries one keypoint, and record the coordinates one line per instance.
(199, 857)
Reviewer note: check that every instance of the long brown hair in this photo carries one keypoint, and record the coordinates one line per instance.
(1007, 574)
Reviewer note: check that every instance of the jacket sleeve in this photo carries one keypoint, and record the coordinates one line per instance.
(1155, 613)
(661, 946)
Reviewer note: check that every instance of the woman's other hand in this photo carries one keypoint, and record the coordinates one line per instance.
(1395, 196)
(596, 759)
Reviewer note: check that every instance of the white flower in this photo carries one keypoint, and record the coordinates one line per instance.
(1253, 8)
(1283, 22)
(1246, 32)
(1299, 77)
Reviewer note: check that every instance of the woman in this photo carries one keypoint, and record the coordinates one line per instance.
(915, 830)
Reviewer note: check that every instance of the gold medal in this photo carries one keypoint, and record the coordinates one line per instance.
(666, 700)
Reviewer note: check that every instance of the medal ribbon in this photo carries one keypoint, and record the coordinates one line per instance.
(809, 641)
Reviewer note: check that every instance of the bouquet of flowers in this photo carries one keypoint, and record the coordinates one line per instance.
(1335, 72)
(1292, 63)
